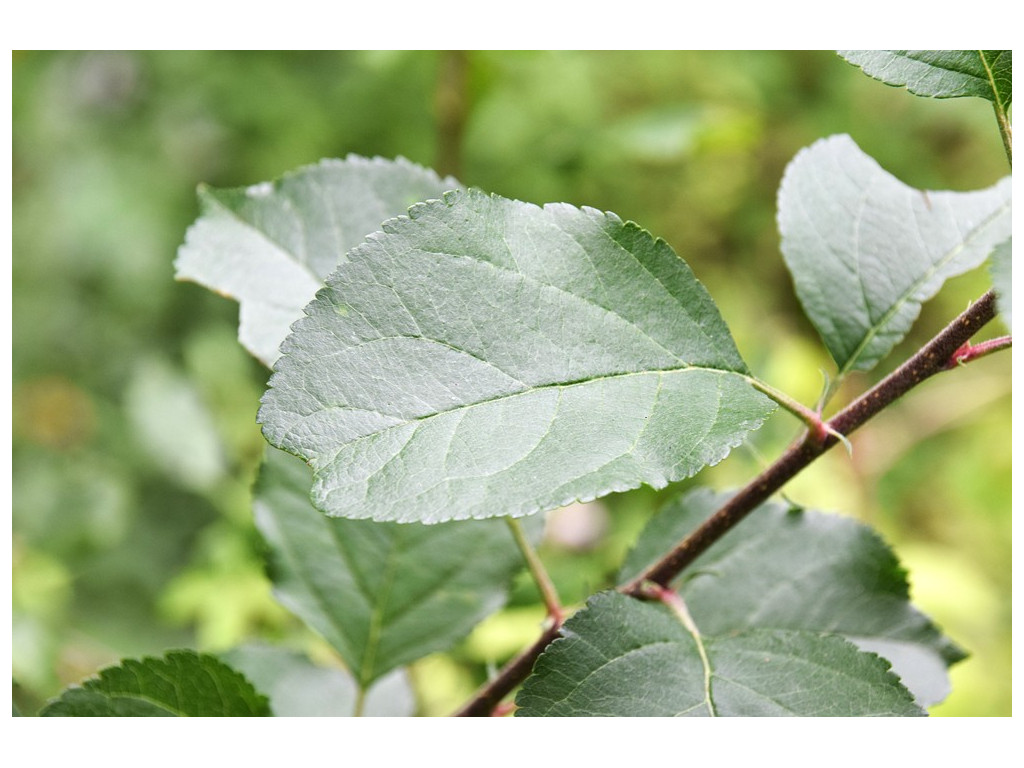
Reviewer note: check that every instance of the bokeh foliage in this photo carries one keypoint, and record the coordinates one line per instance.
(135, 441)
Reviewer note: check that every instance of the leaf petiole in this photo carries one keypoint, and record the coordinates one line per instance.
(968, 352)
(819, 430)
(540, 575)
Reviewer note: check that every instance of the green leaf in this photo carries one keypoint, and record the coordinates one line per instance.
(941, 74)
(866, 251)
(182, 684)
(299, 688)
(487, 357)
(792, 569)
(620, 657)
(1002, 279)
(382, 594)
(271, 245)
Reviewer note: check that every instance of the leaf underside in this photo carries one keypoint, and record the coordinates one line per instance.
(270, 245)
(792, 569)
(620, 657)
(1002, 279)
(865, 250)
(299, 688)
(182, 684)
(941, 74)
(487, 357)
(382, 594)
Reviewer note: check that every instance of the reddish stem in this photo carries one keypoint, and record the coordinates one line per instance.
(968, 351)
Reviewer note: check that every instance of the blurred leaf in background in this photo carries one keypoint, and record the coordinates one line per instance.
(135, 442)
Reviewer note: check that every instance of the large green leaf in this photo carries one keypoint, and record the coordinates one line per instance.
(487, 357)
(1002, 279)
(620, 657)
(182, 684)
(299, 688)
(865, 250)
(793, 569)
(382, 594)
(941, 74)
(271, 245)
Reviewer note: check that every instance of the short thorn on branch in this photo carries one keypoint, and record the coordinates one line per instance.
(831, 431)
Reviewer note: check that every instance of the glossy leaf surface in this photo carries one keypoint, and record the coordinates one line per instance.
(382, 594)
(786, 568)
(941, 74)
(865, 250)
(621, 657)
(487, 357)
(182, 684)
(270, 245)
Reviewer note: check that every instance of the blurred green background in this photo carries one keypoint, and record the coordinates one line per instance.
(134, 435)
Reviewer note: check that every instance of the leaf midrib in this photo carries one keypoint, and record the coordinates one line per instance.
(908, 294)
(990, 76)
(406, 421)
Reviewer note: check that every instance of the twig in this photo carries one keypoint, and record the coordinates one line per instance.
(490, 696)
(929, 360)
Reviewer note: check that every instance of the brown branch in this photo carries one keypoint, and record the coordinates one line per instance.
(488, 697)
(452, 107)
(932, 358)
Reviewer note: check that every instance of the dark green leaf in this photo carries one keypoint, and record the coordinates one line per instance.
(271, 245)
(620, 657)
(1002, 278)
(382, 594)
(865, 250)
(487, 357)
(182, 684)
(299, 688)
(793, 569)
(941, 74)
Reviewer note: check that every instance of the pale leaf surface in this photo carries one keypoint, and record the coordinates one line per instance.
(1002, 279)
(941, 74)
(298, 688)
(865, 250)
(488, 357)
(270, 245)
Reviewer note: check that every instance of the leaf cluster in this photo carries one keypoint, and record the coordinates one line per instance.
(442, 356)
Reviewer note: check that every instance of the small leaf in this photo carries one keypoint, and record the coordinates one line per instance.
(793, 569)
(182, 684)
(941, 74)
(1002, 279)
(271, 245)
(620, 657)
(299, 688)
(486, 357)
(382, 594)
(866, 251)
